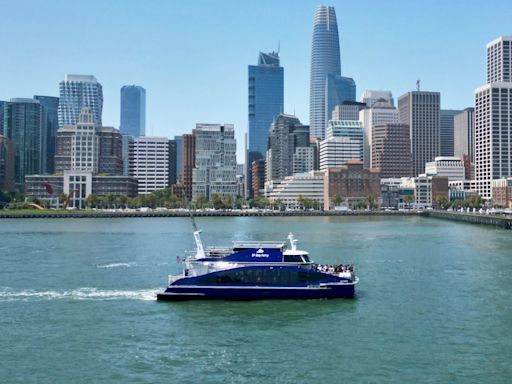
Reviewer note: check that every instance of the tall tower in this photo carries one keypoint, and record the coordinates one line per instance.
(493, 113)
(325, 61)
(76, 92)
(51, 105)
(133, 111)
(421, 112)
(266, 101)
(25, 126)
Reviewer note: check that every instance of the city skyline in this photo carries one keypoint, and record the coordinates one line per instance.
(148, 56)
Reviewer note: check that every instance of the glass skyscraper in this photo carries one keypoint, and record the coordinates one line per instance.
(51, 105)
(337, 90)
(133, 110)
(76, 92)
(325, 60)
(25, 126)
(266, 101)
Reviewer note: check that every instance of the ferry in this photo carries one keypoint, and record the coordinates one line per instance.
(257, 270)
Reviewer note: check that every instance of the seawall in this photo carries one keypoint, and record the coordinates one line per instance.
(501, 221)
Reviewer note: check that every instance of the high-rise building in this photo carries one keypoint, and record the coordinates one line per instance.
(343, 142)
(258, 177)
(381, 112)
(371, 97)
(325, 60)
(266, 101)
(391, 150)
(87, 147)
(133, 111)
(76, 92)
(493, 118)
(338, 89)
(446, 131)
(179, 151)
(2, 106)
(173, 152)
(6, 165)
(215, 161)
(51, 106)
(348, 110)
(285, 136)
(420, 110)
(149, 163)
(464, 134)
(25, 125)
(188, 163)
(499, 60)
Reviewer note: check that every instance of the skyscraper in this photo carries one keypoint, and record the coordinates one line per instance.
(133, 111)
(370, 97)
(493, 118)
(391, 150)
(215, 161)
(266, 101)
(325, 60)
(338, 89)
(420, 110)
(285, 136)
(381, 112)
(149, 163)
(343, 142)
(464, 134)
(51, 105)
(446, 131)
(76, 92)
(6, 165)
(25, 126)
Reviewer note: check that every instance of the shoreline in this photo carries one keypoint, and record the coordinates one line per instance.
(504, 222)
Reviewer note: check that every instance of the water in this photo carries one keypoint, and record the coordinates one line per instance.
(77, 305)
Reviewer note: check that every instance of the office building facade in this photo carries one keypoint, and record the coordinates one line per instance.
(371, 97)
(343, 142)
(215, 161)
(25, 126)
(149, 160)
(133, 111)
(421, 110)
(446, 131)
(499, 60)
(265, 102)
(51, 107)
(76, 92)
(6, 165)
(464, 134)
(391, 150)
(381, 112)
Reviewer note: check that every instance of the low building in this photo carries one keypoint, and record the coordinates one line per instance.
(80, 184)
(390, 192)
(293, 190)
(427, 190)
(449, 166)
(502, 192)
(352, 183)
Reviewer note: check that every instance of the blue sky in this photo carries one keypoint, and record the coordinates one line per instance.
(192, 56)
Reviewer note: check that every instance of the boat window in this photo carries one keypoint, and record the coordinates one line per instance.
(264, 276)
(306, 258)
(292, 259)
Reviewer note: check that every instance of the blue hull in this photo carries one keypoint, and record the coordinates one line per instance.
(177, 293)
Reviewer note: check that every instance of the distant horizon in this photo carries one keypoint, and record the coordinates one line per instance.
(192, 58)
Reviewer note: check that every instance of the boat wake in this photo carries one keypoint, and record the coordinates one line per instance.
(116, 265)
(86, 293)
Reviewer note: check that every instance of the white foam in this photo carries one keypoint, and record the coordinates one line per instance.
(86, 293)
(116, 265)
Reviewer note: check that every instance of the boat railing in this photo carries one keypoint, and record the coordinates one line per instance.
(258, 244)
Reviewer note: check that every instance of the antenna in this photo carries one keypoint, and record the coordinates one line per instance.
(418, 85)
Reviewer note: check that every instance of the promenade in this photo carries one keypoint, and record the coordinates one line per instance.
(501, 221)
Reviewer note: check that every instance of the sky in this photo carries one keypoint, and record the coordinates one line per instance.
(192, 56)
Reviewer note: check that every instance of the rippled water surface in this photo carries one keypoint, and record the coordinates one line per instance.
(77, 305)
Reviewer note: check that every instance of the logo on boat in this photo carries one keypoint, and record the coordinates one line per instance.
(260, 253)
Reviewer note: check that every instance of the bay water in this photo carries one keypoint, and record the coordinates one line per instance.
(77, 304)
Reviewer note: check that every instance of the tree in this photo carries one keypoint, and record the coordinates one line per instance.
(475, 201)
(337, 200)
(92, 200)
(372, 201)
(122, 201)
(200, 201)
(408, 199)
(217, 201)
(301, 201)
(441, 202)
